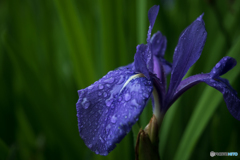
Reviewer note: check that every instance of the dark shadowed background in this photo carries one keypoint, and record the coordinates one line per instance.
(51, 49)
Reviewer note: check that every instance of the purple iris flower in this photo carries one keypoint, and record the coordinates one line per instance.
(108, 109)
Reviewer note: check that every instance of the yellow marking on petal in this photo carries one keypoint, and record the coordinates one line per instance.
(131, 78)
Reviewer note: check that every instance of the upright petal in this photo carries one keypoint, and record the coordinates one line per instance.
(152, 15)
(159, 44)
(187, 52)
(221, 84)
(140, 60)
(107, 109)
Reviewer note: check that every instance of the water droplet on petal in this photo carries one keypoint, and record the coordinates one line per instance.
(100, 86)
(109, 80)
(106, 111)
(125, 116)
(90, 87)
(104, 94)
(99, 93)
(119, 99)
(85, 103)
(218, 65)
(114, 119)
(127, 97)
(96, 152)
(101, 139)
(90, 145)
(109, 102)
(121, 79)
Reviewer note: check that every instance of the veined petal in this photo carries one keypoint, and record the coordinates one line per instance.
(187, 52)
(107, 109)
(229, 94)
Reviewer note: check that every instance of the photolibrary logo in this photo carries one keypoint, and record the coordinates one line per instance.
(212, 153)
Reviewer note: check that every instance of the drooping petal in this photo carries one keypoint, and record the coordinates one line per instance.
(187, 52)
(223, 66)
(221, 84)
(107, 109)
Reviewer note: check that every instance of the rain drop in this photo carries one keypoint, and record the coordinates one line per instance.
(121, 80)
(101, 139)
(127, 97)
(119, 99)
(90, 145)
(100, 86)
(90, 87)
(104, 94)
(85, 103)
(109, 102)
(218, 65)
(114, 119)
(110, 80)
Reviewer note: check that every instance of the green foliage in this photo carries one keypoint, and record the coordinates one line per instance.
(51, 49)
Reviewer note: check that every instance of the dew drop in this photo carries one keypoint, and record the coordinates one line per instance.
(125, 116)
(114, 119)
(218, 65)
(127, 97)
(85, 103)
(100, 86)
(90, 145)
(119, 99)
(99, 93)
(106, 111)
(110, 80)
(121, 79)
(90, 87)
(101, 139)
(109, 102)
(96, 152)
(104, 94)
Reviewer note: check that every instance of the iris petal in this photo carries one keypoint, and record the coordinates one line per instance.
(107, 109)
(187, 52)
(223, 66)
(140, 60)
(159, 44)
(229, 94)
(152, 15)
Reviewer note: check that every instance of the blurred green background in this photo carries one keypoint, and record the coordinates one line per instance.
(51, 49)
